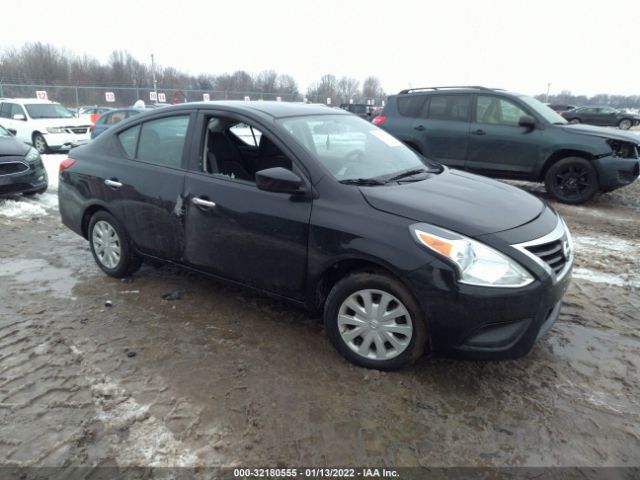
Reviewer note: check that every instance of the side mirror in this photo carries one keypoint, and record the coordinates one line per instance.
(279, 180)
(19, 116)
(12, 131)
(527, 122)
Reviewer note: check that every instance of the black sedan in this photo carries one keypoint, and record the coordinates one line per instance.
(21, 168)
(603, 116)
(319, 207)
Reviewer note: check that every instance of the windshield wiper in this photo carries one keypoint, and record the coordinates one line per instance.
(409, 173)
(368, 182)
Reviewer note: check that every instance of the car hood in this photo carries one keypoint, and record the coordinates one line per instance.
(60, 122)
(458, 201)
(603, 132)
(12, 147)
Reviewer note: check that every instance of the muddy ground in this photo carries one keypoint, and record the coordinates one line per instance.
(221, 376)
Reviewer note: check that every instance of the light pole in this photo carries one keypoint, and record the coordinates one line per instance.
(547, 97)
(155, 83)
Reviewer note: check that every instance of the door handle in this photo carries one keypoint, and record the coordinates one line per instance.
(203, 203)
(479, 132)
(420, 128)
(112, 183)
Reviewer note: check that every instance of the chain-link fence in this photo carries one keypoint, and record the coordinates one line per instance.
(74, 96)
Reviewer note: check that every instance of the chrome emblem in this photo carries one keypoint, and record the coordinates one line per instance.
(566, 249)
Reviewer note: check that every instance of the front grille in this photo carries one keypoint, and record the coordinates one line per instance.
(11, 168)
(552, 253)
(79, 130)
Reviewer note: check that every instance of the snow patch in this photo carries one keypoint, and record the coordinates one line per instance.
(607, 278)
(20, 209)
(603, 243)
(148, 442)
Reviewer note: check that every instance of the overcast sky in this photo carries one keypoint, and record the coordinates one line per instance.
(587, 47)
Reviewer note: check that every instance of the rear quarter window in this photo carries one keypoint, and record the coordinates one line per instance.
(410, 105)
(128, 139)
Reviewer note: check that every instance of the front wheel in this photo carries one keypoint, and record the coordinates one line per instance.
(572, 180)
(625, 124)
(374, 322)
(111, 247)
(40, 143)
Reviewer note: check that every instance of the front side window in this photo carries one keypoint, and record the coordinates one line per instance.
(237, 150)
(158, 141)
(48, 110)
(449, 107)
(352, 148)
(498, 111)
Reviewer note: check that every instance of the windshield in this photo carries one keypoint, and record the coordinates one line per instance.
(4, 132)
(543, 110)
(48, 110)
(351, 148)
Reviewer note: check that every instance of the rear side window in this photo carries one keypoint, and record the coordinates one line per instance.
(410, 105)
(158, 141)
(129, 139)
(449, 107)
(5, 110)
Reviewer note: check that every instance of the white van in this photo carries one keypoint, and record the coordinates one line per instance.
(45, 124)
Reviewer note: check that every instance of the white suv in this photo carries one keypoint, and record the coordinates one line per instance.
(45, 124)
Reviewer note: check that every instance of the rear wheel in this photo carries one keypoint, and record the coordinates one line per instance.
(111, 247)
(574, 120)
(572, 180)
(625, 124)
(40, 143)
(374, 322)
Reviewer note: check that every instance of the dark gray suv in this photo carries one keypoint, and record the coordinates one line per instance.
(507, 135)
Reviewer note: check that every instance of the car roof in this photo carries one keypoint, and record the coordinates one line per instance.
(456, 89)
(271, 108)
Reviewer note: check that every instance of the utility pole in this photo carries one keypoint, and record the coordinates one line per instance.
(547, 97)
(153, 73)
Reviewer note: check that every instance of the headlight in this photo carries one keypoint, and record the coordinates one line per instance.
(477, 263)
(32, 155)
(55, 129)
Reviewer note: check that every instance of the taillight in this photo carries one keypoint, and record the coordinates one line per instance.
(66, 164)
(379, 119)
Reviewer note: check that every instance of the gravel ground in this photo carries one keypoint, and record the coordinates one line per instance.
(221, 377)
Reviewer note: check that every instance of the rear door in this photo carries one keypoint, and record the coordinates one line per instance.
(442, 129)
(149, 179)
(498, 145)
(236, 231)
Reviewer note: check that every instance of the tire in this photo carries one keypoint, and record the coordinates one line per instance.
(625, 124)
(572, 180)
(409, 326)
(114, 255)
(575, 121)
(40, 143)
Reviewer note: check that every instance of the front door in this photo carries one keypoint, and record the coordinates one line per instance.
(497, 144)
(233, 229)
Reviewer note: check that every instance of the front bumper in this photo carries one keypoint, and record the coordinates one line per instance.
(616, 172)
(486, 323)
(32, 180)
(66, 141)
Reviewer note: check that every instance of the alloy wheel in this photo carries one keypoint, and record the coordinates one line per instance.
(40, 144)
(625, 124)
(106, 244)
(573, 181)
(374, 324)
